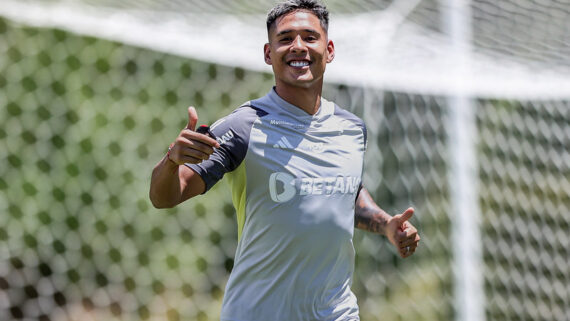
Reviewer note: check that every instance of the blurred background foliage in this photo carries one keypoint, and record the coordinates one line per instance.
(84, 120)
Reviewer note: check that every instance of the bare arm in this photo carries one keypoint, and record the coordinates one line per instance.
(368, 216)
(400, 232)
(172, 182)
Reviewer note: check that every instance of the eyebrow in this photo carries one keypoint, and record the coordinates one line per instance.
(286, 31)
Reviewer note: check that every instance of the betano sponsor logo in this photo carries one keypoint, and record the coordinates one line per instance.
(283, 186)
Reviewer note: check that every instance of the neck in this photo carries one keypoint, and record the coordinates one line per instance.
(307, 99)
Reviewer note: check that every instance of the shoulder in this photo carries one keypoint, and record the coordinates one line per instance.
(242, 116)
(354, 121)
(350, 117)
(239, 121)
(234, 129)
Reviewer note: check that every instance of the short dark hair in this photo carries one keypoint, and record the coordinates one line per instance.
(285, 7)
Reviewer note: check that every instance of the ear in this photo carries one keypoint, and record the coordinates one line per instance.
(266, 53)
(330, 51)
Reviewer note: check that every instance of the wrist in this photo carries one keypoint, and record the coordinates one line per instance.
(381, 220)
(168, 155)
(372, 221)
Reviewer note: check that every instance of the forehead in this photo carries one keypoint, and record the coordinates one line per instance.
(298, 20)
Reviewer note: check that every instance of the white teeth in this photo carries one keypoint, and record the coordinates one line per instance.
(299, 63)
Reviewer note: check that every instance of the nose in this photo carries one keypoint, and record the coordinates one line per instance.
(298, 44)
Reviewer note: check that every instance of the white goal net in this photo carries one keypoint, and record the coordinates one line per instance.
(467, 105)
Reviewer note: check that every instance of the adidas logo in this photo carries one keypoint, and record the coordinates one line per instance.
(283, 143)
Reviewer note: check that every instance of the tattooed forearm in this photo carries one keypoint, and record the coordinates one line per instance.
(367, 215)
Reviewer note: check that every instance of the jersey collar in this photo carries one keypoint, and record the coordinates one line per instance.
(326, 108)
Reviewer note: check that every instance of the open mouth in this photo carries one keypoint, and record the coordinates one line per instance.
(299, 63)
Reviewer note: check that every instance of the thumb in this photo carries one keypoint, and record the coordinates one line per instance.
(405, 216)
(192, 118)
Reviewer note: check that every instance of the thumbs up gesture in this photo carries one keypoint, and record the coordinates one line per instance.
(402, 234)
(190, 146)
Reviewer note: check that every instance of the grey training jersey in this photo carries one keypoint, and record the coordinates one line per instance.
(294, 180)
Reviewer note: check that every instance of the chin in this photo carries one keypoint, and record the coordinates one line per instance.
(302, 84)
(303, 81)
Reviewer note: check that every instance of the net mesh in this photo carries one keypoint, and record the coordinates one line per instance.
(525, 168)
(517, 49)
(84, 120)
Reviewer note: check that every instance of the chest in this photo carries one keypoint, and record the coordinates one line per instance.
(330, 148)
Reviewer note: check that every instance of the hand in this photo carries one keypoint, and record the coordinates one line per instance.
(190, 146)
(402, 234)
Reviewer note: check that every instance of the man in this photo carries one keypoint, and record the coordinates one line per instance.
(294, 161)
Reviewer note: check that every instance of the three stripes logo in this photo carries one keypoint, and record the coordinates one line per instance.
(283, 143)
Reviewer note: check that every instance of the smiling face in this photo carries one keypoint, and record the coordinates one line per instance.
(298, 50)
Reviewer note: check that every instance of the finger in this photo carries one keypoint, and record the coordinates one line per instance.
(406, 225)
(189, 148)
(406, 229)
(192, 118)
(181, 159)
(188, 155)
(407, 251)
(406, 215)
(404, 252)
(184, 159)
(191, 152)
(409, 243)
(205, 139)
(196, 143)
(407, 234)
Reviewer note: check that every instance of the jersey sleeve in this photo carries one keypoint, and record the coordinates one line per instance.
(232, 133)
